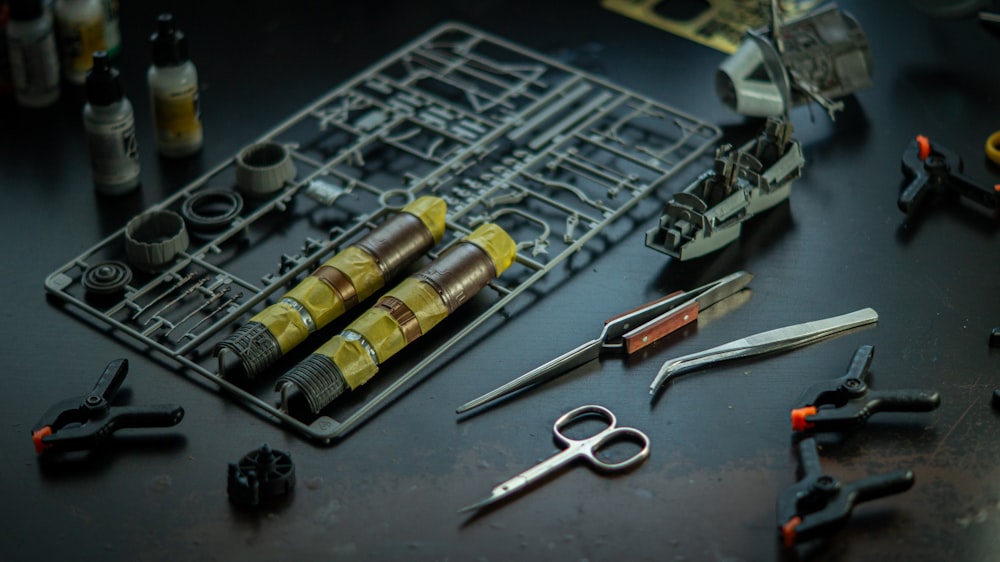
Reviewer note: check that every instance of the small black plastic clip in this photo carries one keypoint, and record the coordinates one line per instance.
(934, 168)
(262, 476)
(819, 503)
(846, 403)
(80, 423)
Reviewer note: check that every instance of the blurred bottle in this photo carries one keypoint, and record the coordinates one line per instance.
(34, 62)
(79, 32)
(110, 126)
(112, 31)
(173, 92)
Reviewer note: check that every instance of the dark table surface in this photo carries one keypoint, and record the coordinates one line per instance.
(721, 445)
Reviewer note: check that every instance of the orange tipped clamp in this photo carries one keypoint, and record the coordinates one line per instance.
(819, 503)
(929, 167)
(847, 403)
(82, 422)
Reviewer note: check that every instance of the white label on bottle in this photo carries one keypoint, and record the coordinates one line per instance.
(114, 152)
(34, 65)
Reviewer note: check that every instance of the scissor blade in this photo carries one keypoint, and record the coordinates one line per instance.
(686, 310)
(778, 339)
(480, 504)
(509, 487)
(551, 369)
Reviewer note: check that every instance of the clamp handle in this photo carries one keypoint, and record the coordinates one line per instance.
(82, 422)
(935, 168)
(847, 402)
(89, 435)
(856, 412)
(819, 503)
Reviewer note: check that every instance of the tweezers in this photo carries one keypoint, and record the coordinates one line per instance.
(778, 339)
(627, 333)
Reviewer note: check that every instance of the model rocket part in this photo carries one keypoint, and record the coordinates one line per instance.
(405, 313)
(338, 285)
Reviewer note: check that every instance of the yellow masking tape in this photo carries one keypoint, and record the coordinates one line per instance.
(423, 301)
(360, 267)
(322, 302)
(381, 331)
(351, 359)
(432, 212)
(496, 243)
(285, 324)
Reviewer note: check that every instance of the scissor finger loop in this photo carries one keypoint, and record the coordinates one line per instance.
(617, 435)
(589, 447)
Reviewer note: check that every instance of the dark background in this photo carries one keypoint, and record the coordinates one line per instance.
(721, 442)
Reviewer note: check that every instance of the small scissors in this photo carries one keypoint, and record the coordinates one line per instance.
(573, 449)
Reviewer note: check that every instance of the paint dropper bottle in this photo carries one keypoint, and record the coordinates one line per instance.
(173, 92)
(34, 61)
(110, 126)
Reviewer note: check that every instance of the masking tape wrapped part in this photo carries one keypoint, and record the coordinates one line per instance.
(337, 285)
(402, 315)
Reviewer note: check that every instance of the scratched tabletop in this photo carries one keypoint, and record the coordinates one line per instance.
(721, 440)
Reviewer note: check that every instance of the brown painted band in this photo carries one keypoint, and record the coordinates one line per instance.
(459, 274)
(340, 284)
(403, 316)
(396, 243)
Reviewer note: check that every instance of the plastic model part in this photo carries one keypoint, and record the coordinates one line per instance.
(405, 313)
(930, 168)
(708, 213)
(153, 239)
(847, 403)
(263, 168)
(263, 476)
(819, 503)
(502, 134)
(83, 422)
(819, 56)
(715, 23)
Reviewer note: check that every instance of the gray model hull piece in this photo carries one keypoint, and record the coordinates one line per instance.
(688, 229)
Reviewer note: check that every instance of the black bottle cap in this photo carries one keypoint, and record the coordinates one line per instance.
(169, 44)
(25, 10)
(103, 85)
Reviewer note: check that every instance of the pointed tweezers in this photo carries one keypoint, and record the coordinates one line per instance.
(628, 332)
(778, 339)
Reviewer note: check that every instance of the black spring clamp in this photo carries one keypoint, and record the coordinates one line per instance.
(82, 422)
(933, 168)
(847, 402)
(819, 503)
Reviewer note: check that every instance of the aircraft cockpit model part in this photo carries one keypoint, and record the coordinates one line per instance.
(708, 214)
(820, 56)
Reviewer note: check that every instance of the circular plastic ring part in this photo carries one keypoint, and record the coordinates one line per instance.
(106, 278)
(262, 476)
(153, 239)
(993, 147)
(263, 168)
(211, 211)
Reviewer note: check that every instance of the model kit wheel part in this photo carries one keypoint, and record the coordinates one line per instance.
(262, 476)
(106, 278)
(153, 239)
(263, 168)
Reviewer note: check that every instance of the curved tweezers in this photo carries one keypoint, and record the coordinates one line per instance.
(778, 339)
